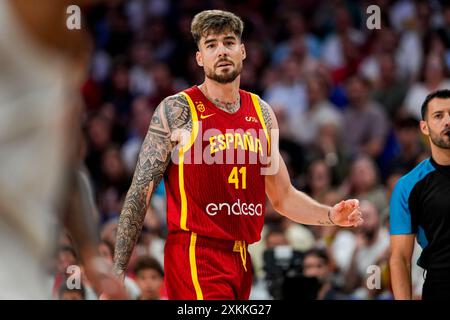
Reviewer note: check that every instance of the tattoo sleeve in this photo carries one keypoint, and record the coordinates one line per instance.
(154, 156)
(265, 109)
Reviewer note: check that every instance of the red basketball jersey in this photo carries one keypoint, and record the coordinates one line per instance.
(215, 187)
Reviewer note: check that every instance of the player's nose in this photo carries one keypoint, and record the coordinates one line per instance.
(447, 119)
(221, 50)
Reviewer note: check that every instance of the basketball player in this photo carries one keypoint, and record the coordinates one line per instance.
(215, 208)
(420, 209)
(42, 65)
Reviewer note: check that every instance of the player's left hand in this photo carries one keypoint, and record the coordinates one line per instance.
(346, 213)
(105, 283)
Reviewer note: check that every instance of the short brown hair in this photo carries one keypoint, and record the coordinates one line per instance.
(215, 22)
(148, 262)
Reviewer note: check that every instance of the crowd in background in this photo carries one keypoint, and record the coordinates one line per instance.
(347, 100)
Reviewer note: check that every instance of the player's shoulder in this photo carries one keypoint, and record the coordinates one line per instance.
(409, 180)
(176, 111)
(176, 100)
(262, 102)
(266, 111)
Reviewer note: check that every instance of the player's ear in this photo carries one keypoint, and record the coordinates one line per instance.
(243, 52)
(424, 127)
(199, 58)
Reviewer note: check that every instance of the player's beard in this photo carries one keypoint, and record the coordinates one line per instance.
(441, 141)
(224, 77)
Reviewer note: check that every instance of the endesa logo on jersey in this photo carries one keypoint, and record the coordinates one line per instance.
(237, 208)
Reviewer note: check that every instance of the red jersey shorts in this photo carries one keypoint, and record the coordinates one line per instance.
(201, 268)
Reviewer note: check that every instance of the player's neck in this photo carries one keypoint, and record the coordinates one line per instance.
(441, 156)
(225, 96)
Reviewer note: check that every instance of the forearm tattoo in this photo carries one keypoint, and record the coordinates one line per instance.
(328, 222)
(325, 223)
(154, 156)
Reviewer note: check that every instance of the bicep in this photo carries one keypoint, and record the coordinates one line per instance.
(277, 179)
(278, 185)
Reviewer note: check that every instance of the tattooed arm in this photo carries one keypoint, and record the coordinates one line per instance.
(295, 204)
(173, 113)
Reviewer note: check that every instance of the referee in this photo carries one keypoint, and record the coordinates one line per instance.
(420, 207)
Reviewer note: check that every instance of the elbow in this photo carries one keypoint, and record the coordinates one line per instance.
(399, 262)
(277, 204)
(280, 199)
(276, 201)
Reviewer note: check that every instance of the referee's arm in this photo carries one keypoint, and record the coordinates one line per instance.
(402, 242)
(402, 246)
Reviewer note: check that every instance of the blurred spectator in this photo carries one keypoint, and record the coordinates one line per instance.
(318, 180)
(141, 114)
(281, 261)
(355, 252)
(390, 88)
(296, 28)
(98, 138)
(384, 42)
(316, 263)
(434, 78)
(405, 20)
(66, 257)
(333, 48)
(329, 146)
(162, 44)
(364, 183)
(66, 293)
(113, 170)
(164, 85)
(149, 278)
(117, 89)
(319, 112)
(141, 80)
(287, 95)
(151, 241)
(365, 119)
(411, 148)
(275, 237)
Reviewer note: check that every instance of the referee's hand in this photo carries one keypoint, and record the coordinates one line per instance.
(346, 213)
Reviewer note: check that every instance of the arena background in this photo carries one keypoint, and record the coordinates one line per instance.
(347, 99)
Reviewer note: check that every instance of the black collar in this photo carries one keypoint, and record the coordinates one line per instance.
(445, 170)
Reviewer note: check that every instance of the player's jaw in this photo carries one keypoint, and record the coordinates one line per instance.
(224, 71)
(441, 140)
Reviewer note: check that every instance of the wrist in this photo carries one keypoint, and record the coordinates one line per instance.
(329, 217)
(118, 272)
